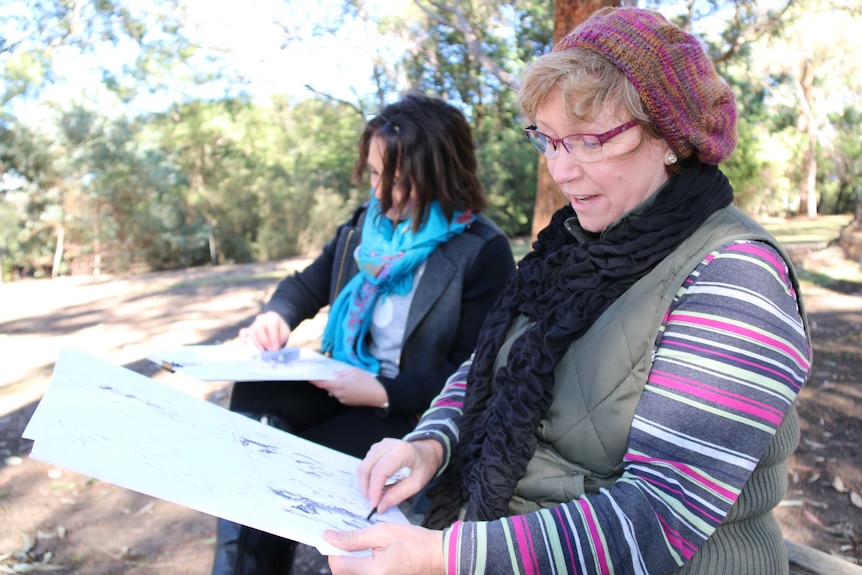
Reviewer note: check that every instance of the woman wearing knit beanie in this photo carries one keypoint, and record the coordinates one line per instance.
(629, 407)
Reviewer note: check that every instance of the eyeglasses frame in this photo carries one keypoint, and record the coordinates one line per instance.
(557, 142)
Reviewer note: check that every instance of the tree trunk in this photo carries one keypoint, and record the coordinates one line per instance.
(97, 241)
(811, 175)
(567, 15)
(213, 246)
(58, 250)
(808, 194)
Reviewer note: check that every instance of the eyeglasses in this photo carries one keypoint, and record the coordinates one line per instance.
(584, 147)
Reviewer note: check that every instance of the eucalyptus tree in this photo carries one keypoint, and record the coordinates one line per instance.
(37, 191)
(8, 235)
(471, 53)
(813, 69)
(844, 162)
(457, 38)
(322, 149)
(265, 182)
(128, 213)
(43, 47)
(306, 152)
(87, 195)
(795, 66)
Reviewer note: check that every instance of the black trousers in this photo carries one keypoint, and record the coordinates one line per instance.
(310, 412)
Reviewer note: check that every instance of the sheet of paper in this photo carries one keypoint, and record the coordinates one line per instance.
(110, 423)
(235, 362)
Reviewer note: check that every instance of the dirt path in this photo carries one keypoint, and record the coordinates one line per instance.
(59, 518)
(51, 517)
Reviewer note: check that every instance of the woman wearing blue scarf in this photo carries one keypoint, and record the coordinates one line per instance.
(409, 280)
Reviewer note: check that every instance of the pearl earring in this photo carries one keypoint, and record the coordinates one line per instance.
(671, 159)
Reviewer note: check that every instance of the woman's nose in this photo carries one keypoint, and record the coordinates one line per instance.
(564, 168)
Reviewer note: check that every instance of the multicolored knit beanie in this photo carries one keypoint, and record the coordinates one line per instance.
(692, 106)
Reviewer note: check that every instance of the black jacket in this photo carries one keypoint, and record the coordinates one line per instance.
(462, 279)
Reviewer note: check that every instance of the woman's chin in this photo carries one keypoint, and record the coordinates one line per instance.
(590, 224)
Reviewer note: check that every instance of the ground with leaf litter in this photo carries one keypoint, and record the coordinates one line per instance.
(55, 520)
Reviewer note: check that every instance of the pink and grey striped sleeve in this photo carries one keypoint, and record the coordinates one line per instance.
(441, 420)
(730, 360)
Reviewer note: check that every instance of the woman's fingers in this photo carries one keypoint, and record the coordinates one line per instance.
(268, 332)
(397, 549)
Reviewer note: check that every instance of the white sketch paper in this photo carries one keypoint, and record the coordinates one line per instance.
(243, 363)
(110, 423)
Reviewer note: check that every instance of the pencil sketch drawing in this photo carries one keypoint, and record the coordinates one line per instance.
(115, 425)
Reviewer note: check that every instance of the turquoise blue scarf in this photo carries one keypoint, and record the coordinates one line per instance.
(387, 258)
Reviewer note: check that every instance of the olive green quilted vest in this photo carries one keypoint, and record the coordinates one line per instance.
(584, 435)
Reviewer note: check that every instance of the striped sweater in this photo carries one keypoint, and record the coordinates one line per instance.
(730, 359)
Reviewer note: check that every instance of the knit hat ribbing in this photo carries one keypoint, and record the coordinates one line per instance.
(694, 108)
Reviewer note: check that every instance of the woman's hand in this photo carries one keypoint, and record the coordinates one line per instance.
(397, 549)
(386, 457)
(355, 387)
(268, 332)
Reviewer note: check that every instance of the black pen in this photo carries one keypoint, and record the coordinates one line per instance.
(402, 473)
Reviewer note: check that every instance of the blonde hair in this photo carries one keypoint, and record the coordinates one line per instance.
(588, 82)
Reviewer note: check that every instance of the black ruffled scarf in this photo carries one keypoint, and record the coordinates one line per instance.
(563, 286)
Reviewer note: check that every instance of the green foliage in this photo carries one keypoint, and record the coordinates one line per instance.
(92, 186)
(745, 170)
(507, 168)
(9, 228)
(840, 176)
(37, 32)
(156, 193)
(509, 35)
(254, 175)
